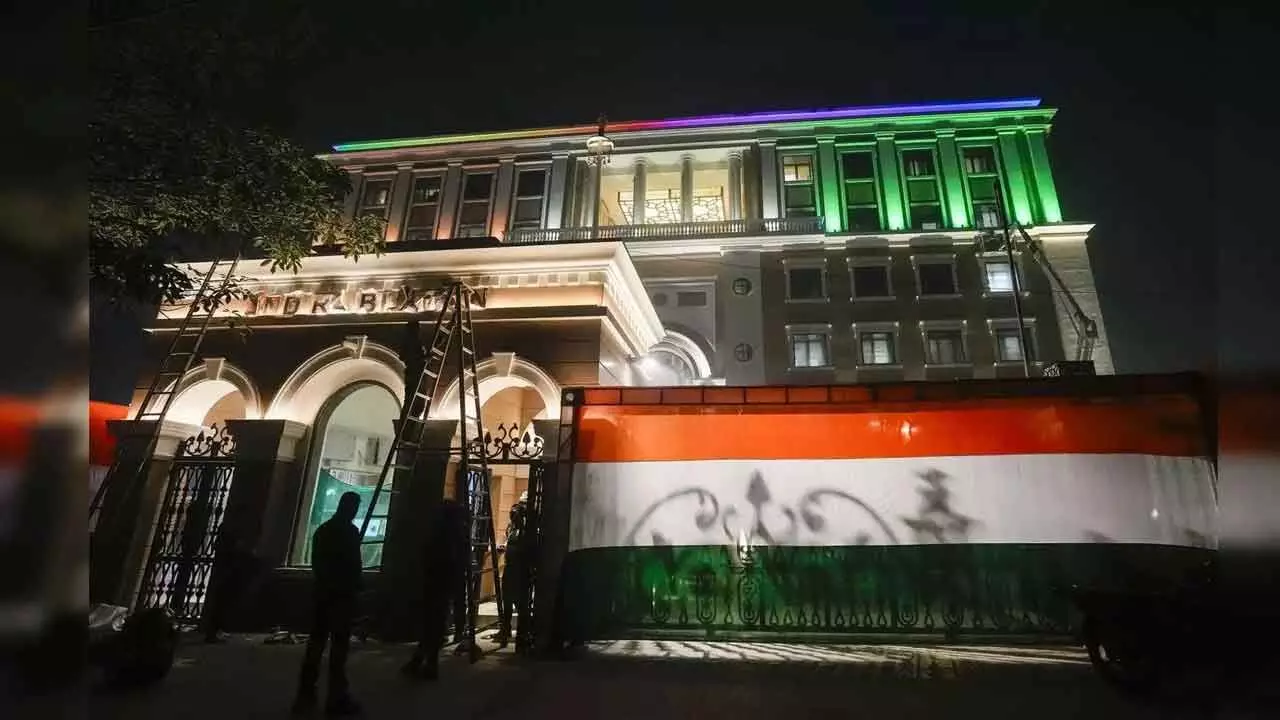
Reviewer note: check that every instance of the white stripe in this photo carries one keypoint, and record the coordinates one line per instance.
(1059, 498)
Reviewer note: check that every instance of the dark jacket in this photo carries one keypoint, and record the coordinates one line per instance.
(335, 559)
(446, 550)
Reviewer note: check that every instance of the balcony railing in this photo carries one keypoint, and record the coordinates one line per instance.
(669, 231)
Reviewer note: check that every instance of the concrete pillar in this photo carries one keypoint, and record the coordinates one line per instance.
(686, 188)
(592, 194)
(1015, 180)
(1070, 258)
(450, 194)
(769, 200)
(554, 525)
(555, 190)
(735, 185)
(829, 186)
(1046, 189)
(352, 202)
(639, 186)
(890, 181)
(399, 200)
(952, 180)
(502, 199)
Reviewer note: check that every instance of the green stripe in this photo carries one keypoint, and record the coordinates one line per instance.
(976, 589)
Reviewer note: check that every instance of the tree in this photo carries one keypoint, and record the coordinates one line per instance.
(183, 166)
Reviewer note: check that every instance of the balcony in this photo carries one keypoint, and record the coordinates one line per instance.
(669, 231)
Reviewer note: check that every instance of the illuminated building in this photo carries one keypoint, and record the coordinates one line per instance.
(779, 248)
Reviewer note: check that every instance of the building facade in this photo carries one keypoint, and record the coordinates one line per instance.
(789, 248)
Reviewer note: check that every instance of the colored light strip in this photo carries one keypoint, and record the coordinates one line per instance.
(704, 121)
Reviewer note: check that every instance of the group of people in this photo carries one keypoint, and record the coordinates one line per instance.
(337, 568)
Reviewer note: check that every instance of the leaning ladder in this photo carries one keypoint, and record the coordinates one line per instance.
(164, 385)
(453, 321)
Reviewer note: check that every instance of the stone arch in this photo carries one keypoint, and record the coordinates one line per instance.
(685, 346)
(206, 385)
(501, 371)
(328, 372)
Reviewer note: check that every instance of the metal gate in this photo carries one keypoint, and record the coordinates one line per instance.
(181, 557)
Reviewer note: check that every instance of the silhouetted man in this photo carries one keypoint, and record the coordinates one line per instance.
(336, 566)
(234, 566)
(513, 570)
(445, 558)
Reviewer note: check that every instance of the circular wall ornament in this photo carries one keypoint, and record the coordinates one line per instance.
(743, 352)
(659, 299)
(741, 286)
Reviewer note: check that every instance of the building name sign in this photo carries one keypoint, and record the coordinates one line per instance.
(351, 301)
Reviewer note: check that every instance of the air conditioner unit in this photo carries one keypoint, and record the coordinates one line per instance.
(1069, 368)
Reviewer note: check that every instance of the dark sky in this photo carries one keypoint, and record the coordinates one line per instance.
(1129, 145)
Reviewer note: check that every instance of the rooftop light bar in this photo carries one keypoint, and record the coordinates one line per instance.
(703, 121)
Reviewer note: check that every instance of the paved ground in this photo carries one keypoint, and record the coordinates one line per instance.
(632, 679)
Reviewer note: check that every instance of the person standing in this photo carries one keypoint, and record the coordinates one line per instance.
(234, 567)
(513, 570)
(445, 559)
(336, 566)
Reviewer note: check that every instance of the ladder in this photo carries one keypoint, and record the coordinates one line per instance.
(182, 355)
(452, 342)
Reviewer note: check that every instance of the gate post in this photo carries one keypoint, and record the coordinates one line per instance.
(399, 595)
(554, 534)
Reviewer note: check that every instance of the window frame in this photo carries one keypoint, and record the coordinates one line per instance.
(410, 205)
(966, 177)
(789, 264)
(492, 172)
(930, 146)
(545, 168)
(812, 182)
(999, 257)
(877, 183)
(878, 328)
(823, 329)
(941, 258)
(388, 177)
(948, 326)
(882, 262)
(996, 325)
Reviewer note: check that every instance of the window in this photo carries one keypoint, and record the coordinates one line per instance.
(871, 281)
(473, 215)
(924, 189)
(530, 188)
(936, 277)
(375, 198)
(356, 437)
(862, 208)
(806, 283)
(944, 347)
(691, 299)
(799, 196)
(808, 349)
(1008, 348)
(997, 276)
(424, 207)
(877, 348)
(982, 177)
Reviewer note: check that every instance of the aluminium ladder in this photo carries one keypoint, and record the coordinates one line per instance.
(454, 321)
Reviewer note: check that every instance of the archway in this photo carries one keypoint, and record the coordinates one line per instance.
(353, 434)
(501, 372)
(675, 360)
(212, 393)
(325, 374)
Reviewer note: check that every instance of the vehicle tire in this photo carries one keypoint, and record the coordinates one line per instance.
(1126, 665)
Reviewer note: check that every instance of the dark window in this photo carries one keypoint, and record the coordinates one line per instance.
(858, 166)
(936, 278)
(375, 197)
(477, 187)
(691, 299)
(530, 187)
(805, 284)
(926, 217)
(877, 348)
(944, 347)
(979, 160)
(924, 191)
(424, 205)
(531, 183)
(862, 208)
(983, 179)
(918, 163)
(473, 216)
(871, 281)
(800, 201)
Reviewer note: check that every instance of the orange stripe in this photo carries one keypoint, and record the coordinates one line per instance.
(1153, 426)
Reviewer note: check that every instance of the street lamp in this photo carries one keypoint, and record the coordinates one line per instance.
(599, 148)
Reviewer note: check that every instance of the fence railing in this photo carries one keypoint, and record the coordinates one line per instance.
(668, 231)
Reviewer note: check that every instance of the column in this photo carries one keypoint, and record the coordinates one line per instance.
(555, 190)
(399, 200)
(686, 188)
(639, 186)
(768, 180)
(1046, 190)
(829, 185)
(891, 181)
(449, 197)
(1015, 180)
(352, 202)
(592, 193)
(502, 200)
(554, 526)
(735, 185)
(952, 179)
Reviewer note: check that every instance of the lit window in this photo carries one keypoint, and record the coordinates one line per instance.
(983, 180)
(979, 160)
(936, 278)
(999, 277)
(871, 281)
(797, 168)
(424, 205)
(944, 347)
(877, 348)
(806, 283)
(799, 196)
(1008, 346)
(808, 350)
(375, 197)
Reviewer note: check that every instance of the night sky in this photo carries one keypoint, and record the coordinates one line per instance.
(1129, 87)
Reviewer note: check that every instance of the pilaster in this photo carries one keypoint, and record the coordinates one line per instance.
(890, 181)
(829, 185)
(952, 180)
(449, 197)
(768, 179)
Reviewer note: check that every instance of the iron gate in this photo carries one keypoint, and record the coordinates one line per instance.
(181, 557)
